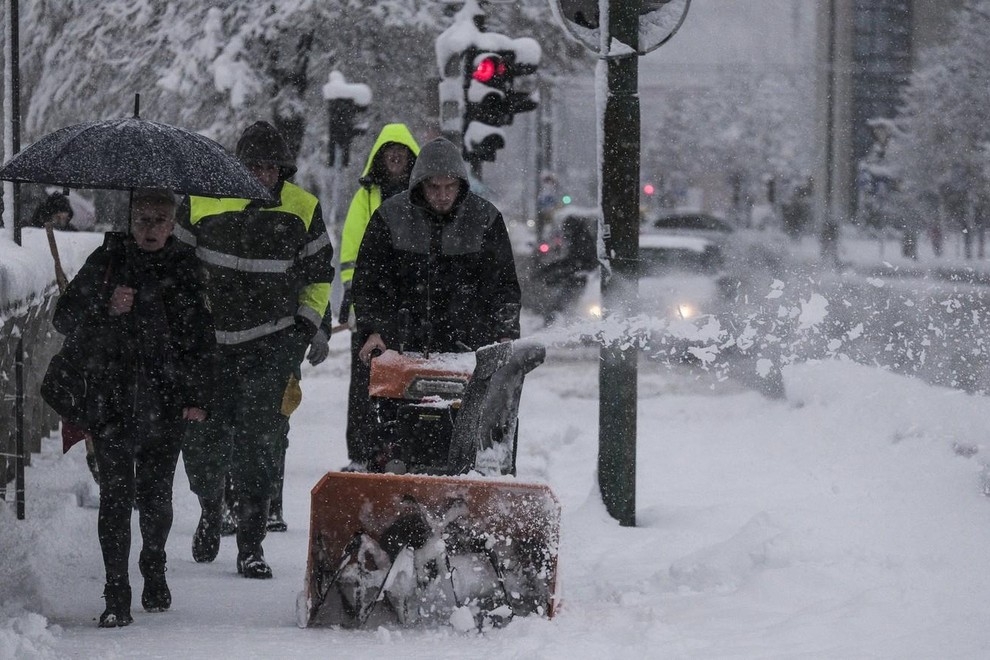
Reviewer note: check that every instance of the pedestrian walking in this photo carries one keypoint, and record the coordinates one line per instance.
(269, 272)
(55, 210)
(138, 316)
(386, 173)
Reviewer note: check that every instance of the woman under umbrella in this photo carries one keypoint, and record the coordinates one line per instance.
(137, 314)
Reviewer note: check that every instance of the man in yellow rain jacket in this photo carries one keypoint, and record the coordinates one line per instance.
(385, 174)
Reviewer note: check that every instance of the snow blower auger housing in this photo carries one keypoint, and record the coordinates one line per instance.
(432, 546)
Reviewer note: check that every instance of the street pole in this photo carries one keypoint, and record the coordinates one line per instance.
(335, 222)
(12, 108)
(620, 126)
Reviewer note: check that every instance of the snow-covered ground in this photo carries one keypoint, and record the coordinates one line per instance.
(845, 521)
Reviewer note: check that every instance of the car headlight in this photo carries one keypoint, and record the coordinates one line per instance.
(595, 311)
(686, 311)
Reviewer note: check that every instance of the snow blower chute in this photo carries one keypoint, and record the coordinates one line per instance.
(441, 537)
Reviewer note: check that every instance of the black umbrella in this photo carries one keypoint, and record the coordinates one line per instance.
(123, 154)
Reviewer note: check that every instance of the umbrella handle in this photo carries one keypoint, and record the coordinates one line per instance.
(60, 277)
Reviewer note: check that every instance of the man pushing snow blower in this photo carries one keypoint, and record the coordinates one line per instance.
(435, 281)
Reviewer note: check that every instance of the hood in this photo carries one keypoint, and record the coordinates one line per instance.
(262, 141)
(439, 157)
(398, 133)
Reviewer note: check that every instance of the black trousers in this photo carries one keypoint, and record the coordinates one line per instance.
(360, 446)
(136, 467)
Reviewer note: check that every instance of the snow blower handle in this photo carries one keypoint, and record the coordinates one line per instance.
(404, 321)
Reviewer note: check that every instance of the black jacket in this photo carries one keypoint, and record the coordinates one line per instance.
(149, 363)
(454, 273)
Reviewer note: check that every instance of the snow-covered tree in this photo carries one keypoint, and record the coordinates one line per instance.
(942, 148)
(215, 67)
(745, 129)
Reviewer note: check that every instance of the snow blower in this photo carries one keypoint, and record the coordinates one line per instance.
(441, 536)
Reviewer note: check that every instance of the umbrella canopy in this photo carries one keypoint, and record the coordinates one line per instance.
(123, 154)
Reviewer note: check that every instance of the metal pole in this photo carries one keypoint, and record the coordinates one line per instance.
(620, 209)
(15, 110)
(19, 430)
(338, 155)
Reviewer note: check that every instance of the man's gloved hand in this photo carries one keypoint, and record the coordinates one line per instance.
(345, 307)
(319, 347)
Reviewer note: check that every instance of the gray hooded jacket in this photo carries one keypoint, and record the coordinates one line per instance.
(455, 272)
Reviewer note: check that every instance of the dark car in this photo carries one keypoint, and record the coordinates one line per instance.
(693, 242)
(681, 259)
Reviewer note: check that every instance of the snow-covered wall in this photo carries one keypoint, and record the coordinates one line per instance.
(27, 300)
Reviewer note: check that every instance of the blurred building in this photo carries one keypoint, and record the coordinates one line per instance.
(718, 41)
(865, 53)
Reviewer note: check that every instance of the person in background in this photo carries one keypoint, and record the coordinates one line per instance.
(151, 338)
(547, 201)
(386, 173)
(442, 253)
(269, 266)
(55, 210)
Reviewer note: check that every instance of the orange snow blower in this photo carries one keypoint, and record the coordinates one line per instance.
(442, 536)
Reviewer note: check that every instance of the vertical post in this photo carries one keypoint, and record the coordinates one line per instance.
(12, 130)
(338, 155)
(19, 430)
(15, 110)
(620, 127)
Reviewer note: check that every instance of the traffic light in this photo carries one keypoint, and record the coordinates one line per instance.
(345, 102)
(490, 100)
(344, 127)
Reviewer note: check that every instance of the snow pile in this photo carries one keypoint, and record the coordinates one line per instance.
(27, 271)
(25, 635)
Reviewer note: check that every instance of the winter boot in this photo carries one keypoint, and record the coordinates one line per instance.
(275, 521)
(253, 565)
(117, 594)
(252, 518)
(206, 539)
(156, 596)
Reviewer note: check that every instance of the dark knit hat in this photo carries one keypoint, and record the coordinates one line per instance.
(262, 141)
(56, 203)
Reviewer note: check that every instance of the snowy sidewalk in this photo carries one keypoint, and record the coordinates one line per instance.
(844, 522)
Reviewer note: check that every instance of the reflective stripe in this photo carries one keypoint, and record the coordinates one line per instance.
(201, 207)
(243, 264)
(241, 336)
(314, 246)
(184, 235)
(293, 200)
(348, 265)
(310, 314)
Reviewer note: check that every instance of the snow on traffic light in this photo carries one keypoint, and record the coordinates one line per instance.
(345, 101)
(491, 100)
(480, 90)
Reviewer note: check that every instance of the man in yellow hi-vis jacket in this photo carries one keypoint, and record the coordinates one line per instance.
(268, 268)
(385, 174)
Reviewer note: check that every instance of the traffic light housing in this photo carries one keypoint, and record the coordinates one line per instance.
(491, 100)
(344, 127)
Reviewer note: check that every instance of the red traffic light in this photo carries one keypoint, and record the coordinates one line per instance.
(488, 68)
(649, 189)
